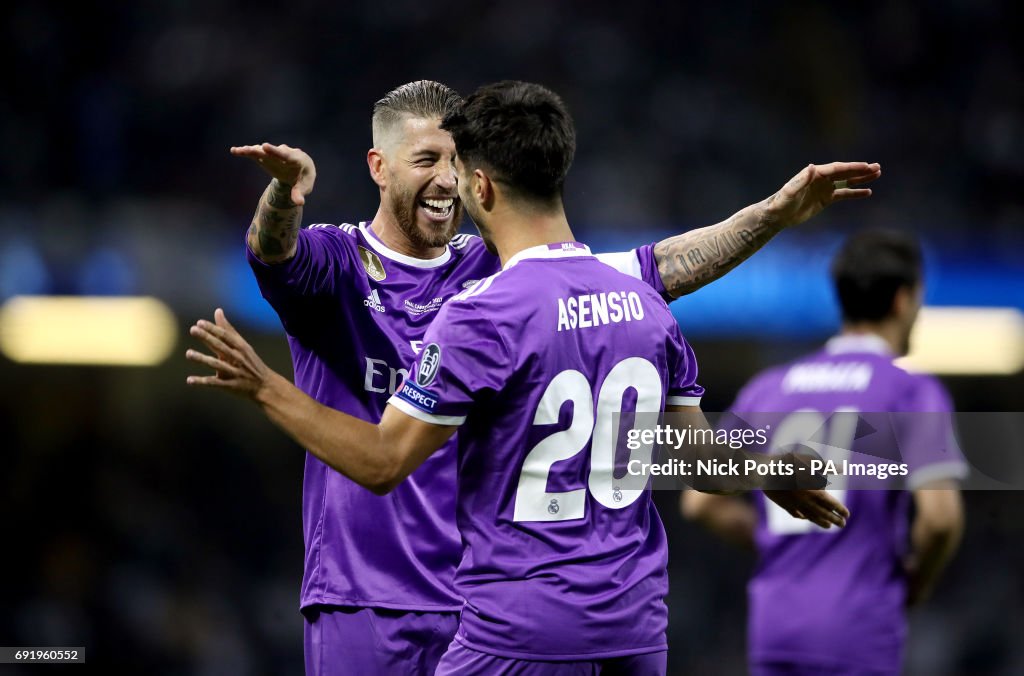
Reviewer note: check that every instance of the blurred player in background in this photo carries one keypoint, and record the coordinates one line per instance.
(356, 300)
(563, 571)
(832, 602)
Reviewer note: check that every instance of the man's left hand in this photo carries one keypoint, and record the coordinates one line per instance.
(808, 193)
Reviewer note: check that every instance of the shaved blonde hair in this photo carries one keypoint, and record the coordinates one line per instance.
(422, 98)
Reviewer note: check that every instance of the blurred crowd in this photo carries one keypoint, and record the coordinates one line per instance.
(118, 134)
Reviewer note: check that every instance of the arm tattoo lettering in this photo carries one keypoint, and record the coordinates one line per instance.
(694, 259)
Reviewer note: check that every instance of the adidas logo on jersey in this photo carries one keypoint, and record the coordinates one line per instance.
(373, 301)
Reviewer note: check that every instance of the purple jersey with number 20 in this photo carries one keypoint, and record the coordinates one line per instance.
(356, 313)
(564, 552)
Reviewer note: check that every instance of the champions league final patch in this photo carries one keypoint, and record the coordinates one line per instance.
(429, 363)
(371, 263)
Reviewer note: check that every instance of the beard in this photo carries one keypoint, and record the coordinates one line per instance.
(489, 244)
(404, 204)
(481, 227)
(485, 232)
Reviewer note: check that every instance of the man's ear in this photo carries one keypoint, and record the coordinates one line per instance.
(375, 161)
(483, 190)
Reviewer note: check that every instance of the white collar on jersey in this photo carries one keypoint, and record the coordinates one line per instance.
(384, 251)
(556, 250)
(858, 342)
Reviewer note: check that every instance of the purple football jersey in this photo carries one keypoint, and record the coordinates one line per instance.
(835, 598)
(565, 554)
(355, 313)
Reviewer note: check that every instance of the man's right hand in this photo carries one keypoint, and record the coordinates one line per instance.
(238, 368)
(290, 166)
(817, 506)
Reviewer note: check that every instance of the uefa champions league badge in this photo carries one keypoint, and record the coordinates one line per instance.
(372, 264)
(430, 361)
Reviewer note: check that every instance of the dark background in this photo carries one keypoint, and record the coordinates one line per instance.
(159, 526)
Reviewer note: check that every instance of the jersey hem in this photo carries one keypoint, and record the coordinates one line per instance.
(331, 600)
(564, 657)
(414, 411)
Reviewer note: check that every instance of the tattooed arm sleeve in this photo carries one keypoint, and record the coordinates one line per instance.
(694, 259)
(275, 227)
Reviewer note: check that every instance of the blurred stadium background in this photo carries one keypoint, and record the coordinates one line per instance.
(159, 527)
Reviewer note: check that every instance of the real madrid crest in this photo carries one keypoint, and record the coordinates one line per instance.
(371, 262)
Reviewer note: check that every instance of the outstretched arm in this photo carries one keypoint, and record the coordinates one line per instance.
(377, 457)
(694, 259)
(275, 226)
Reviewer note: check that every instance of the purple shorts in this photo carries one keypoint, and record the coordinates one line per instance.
(462, 661)
(347, 640)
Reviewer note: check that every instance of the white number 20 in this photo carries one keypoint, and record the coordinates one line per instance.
(533, 501)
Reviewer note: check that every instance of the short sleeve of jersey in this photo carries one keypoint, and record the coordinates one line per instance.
(639, 264)
(683, 389)
(462, 362)
(927, 439)
(321, 258)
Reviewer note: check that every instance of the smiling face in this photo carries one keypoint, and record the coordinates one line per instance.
(419, 184)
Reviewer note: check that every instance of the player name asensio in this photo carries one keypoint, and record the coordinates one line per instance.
(596, 309)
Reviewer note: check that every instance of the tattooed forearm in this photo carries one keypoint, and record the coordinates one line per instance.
(279, 195)
(694, 259)
(275, 227)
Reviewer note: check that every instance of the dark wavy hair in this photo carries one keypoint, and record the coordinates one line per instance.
(520, 131)
(870, 268)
